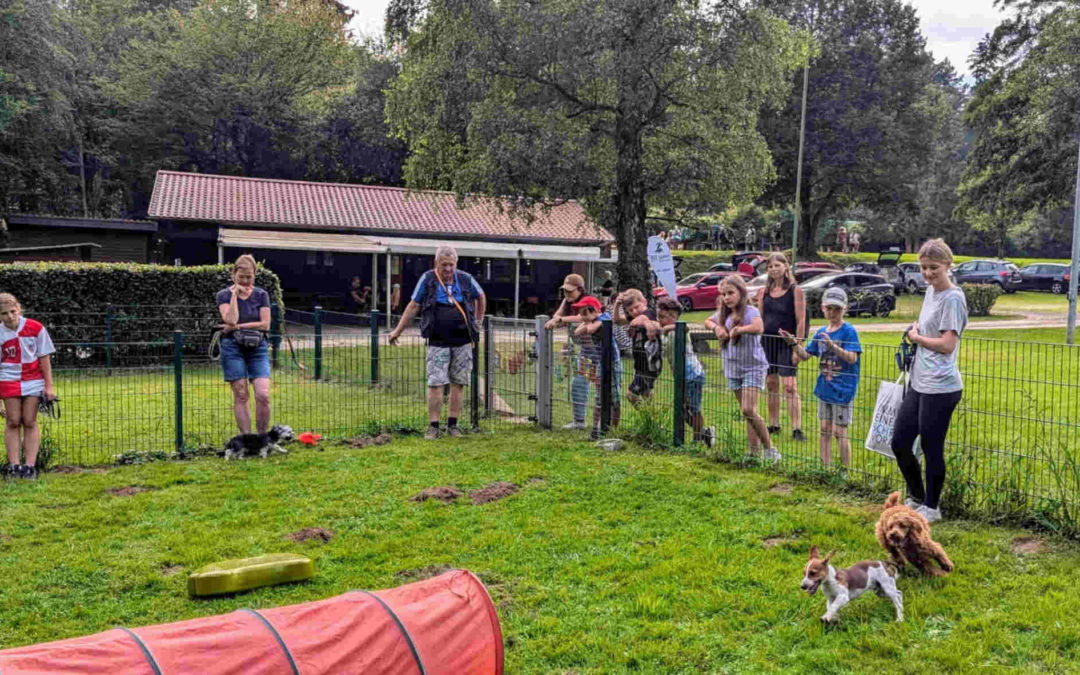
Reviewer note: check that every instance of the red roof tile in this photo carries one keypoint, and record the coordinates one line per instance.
(359, 208)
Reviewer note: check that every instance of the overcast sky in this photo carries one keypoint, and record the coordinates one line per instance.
(952, 28)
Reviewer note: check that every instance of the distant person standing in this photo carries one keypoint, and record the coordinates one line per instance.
(841, 239)
(854, 241)
(748, 238)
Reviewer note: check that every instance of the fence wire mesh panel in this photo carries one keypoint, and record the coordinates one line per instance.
(512, 370)
(1013, 447)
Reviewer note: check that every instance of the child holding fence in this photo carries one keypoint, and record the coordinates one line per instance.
(837, 348)
(738, 327)
(644, 331)
(668, 310)
(592, 318)
(25, 379)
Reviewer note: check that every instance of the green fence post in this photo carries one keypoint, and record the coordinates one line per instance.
(474, 398)
(679, 368)
(108, 338)
(178, 386)
(606, 376)
(489, 369)
(318, 343)
(375, 347)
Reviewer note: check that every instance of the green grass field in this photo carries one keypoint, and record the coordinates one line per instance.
(631, 561)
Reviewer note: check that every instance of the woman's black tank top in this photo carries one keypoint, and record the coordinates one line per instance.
(779, 312)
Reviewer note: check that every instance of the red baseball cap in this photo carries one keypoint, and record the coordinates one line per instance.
(587, 301)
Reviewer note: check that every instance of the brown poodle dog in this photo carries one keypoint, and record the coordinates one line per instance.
(906, 536)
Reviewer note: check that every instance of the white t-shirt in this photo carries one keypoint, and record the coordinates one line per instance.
(934, 372)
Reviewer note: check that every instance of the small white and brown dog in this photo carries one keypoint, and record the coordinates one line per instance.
(841, 586)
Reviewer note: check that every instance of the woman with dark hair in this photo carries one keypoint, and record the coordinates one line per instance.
(573, 290)
(245, 316)
(782, 305)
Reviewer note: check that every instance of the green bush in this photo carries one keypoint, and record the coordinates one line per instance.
(981, 298)
(146, 304)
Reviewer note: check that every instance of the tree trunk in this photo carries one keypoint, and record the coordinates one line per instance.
(629, 208)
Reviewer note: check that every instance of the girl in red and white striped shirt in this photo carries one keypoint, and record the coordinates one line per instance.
(25, 378)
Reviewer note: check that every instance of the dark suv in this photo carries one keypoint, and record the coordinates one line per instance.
(1000, 272)
(1053, 277)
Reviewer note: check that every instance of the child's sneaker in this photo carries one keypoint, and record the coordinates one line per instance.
(574, 426)
(12, 471)
(710, 437)
(798, 435)
(596, 434)
(773, 429)
(453, 432)
(431, 434)
(31, 473)
(772, 455)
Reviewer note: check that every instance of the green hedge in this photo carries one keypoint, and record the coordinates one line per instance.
(146, 304)
(981, 298)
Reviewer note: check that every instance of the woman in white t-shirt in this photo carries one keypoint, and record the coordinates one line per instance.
(935, 387)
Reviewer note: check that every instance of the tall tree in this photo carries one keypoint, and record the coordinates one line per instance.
(865, 115)
(624, 105)
(231, 86)
(1025, 113)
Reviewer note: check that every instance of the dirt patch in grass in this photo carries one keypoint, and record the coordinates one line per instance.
(773, 542)
(781, 489)
(537, 480)
(421, 573)
(4, 538)
(493, 492)
(67, 470)
(365, 441)
(1028, 546)
(309, 533)
(128, 491)
(445, 494)
(170, 570)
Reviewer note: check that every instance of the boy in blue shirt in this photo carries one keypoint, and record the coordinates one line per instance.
(668, 311)
(837, 348)
(592, 315)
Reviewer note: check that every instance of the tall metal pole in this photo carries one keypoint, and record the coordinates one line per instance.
(1074, 269)
(798, 170)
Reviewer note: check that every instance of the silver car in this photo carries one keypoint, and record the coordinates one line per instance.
(913, 279)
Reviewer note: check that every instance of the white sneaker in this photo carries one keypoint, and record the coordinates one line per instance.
(772, 455)
(931, 515)
(574, 426)
(912, 504)
(710, 437)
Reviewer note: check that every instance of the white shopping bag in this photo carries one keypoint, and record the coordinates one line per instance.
(879, 438)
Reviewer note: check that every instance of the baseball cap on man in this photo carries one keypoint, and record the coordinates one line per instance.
(573, 282)
(834, 297)
(587, 301)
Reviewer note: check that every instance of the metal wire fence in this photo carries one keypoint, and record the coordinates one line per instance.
(1013, 448)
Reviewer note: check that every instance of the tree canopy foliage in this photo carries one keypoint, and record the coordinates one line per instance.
(103, 93)
(1025, 114)
(626, 105)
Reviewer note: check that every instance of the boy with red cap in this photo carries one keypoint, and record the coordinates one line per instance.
(592, 317)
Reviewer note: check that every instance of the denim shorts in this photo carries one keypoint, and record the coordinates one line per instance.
(692, 396)
(751, 380)
(241, 363)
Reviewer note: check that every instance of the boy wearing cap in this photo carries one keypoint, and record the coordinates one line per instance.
(837, 348)
(592, 315)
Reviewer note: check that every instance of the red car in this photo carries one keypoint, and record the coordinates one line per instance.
(697, 291)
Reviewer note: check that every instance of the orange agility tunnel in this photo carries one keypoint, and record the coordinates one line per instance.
(442, 625)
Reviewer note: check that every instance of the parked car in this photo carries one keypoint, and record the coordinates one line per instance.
(722, 267)
(750, 263)
(1053, 277)
(864, 268)
(696, 291)
(824, 266)
(1000, 272)
(867, 293)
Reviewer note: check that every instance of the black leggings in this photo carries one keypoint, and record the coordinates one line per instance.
(926, 416)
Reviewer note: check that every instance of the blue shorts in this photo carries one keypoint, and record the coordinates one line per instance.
(692, 396)
(751, 380)
(244, 364)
